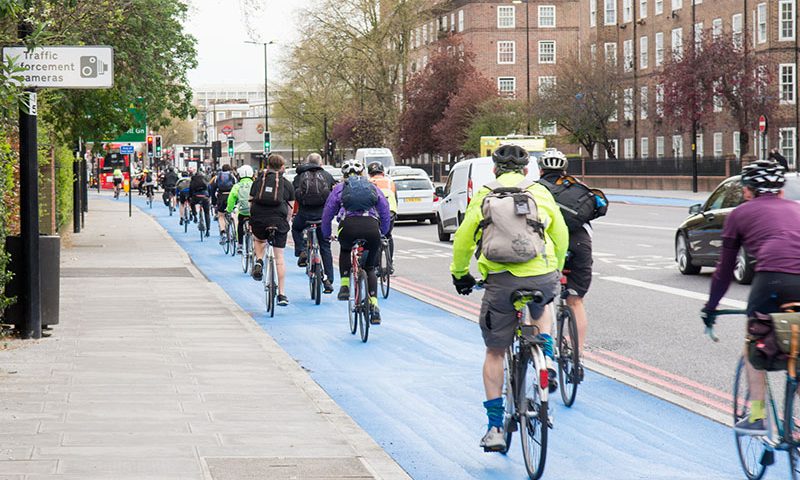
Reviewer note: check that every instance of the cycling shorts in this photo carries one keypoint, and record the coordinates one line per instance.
(183, 196)
(579, 262)
(117, 181)
(259, 225)
(222, 200)
(770, 290)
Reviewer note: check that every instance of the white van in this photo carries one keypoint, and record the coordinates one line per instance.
(369, 155)
(465, 179)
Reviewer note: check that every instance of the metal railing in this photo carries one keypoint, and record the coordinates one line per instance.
(656, 167)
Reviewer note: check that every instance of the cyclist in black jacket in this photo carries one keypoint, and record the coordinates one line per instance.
(199, 193)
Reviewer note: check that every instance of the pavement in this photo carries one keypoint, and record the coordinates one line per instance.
(155, 373)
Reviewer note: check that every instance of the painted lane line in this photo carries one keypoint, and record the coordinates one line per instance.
(728, 302)
(628, 225)
(444, 245)
(468, 308)
(461, 300)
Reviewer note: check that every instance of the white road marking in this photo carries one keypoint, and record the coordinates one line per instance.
(629, 225)
(426, 242)
(728, 302)
(644, 245)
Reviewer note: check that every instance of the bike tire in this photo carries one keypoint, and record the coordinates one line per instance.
(363, 304)
(568, 356)
(351, 304)
(317, 284)
(232, 239)
(509, 415)
(226, 242)
(185, 221)
(791, 428)
(310, 275)
(246, 253)
(533, 421)
(750, 448)
(271, 287)
(384, 269)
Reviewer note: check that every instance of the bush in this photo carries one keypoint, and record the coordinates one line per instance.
(7, 162)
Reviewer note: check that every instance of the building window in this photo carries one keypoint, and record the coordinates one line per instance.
(507, 86)
(716, 28)
(737, 147)
(425, 34)
(628, 148)
(642, 8)
(592, 13)
(787, 82)
(677, 43)
(659, 7)
(644, 149)
(453, 22)
(461, 20)
(643, 53)
(627, 104)
(659, 49)
(547, 16)
(593, 51)
(548, 128)
(786, 20)
(736, 28)
(614, 113)
(659, 100)
(787, 139)
(717, 100)
(610, 12)
(545, 83)
(506, 52)
(698, 36)
(611, 53)
(547, 51)
(627, 11)
(698, 144)
(677, 146)
(677, 5)
(505, 16)
(761, 22)
(627, 55)
(643, 102)
(659, 147)
(614, 145)
(718, 144)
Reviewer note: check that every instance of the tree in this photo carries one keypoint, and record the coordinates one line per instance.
(582, 100)
(451, 132)
(357, 129)
(177, 132)
(494, 117)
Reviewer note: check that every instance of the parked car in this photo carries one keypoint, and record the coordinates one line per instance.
(698, 240)
(369, 155)
(466, 177)
(398, 170)
(289, 174)
(416, 199)
(336, 173)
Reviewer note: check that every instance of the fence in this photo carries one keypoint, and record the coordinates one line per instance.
(656, 167)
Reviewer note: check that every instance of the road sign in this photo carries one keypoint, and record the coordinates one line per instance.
(762, 124)
(126, 149)
(260, 128)
(63, 66)
(227, 129)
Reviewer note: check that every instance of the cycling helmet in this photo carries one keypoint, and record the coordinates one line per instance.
(184, 174)
(245, 171)
(352, 167)
(375, 168)
(763, 176)
(508, 158)
(553, 159)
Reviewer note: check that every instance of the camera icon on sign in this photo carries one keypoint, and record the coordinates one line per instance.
(91, 67)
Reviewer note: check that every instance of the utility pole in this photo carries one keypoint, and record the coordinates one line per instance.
(694, 104)
(527, 61)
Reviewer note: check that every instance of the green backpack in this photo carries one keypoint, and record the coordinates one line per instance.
(243, 197)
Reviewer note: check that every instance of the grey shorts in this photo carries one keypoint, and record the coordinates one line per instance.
(498, 316)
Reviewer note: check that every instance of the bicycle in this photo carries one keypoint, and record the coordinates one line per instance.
(384, 267)
(201, 224)
(270, 274)
(169, 193)
(570, 370)
(229, 236)
(756, 452)
(187, 215)
(247, 247)
(358, 306)
(149, 189)
(314, 268)
(116, 191)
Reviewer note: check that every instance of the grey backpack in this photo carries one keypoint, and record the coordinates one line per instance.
(512, 232)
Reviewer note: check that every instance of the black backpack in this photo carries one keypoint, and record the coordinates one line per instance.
(313, 189)
(579, 204)
(268, 189)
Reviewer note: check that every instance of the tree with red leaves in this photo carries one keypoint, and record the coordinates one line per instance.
(452, 131)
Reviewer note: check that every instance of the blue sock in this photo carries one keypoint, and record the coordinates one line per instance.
(495, 411)
(548, 347)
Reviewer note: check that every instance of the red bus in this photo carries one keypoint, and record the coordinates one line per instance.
(108, 164)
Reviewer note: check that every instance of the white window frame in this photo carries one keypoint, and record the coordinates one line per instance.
(761, 21)
(543, 8)
(453, 21)
(592, 13)
(627, 11)
(659, 48)
(698, 144)
(461, 20)
(627, 55)
(644, 102)
(786, 20)
(512, 81)
(593, 51)
(718, 151)
(698, 36)
(677, 146)
(676, 45)
(659, 147)
(716, 28)
(546, 80)
(614, 146)
(642, 8)
(658, 7)
(610, 52)
(736, 146)
(615, 113)
(501, 44)
(736, 29)
(627, 104)
(548, 128)
(787, 91)
(540, 53)
(644, 52)
(627, 145)
(644, 147)
(609, 12)
(506, 16)
(677, 5)
(787, 140)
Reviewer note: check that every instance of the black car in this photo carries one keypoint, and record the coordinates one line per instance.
(698, 241)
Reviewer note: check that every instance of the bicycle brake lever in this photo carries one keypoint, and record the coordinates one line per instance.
(710, 333)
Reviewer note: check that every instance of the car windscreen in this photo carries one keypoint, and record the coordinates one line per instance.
(387, 161)
(413, 184)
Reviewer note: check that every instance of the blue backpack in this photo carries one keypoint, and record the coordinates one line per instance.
(358, 194)
(225, 182)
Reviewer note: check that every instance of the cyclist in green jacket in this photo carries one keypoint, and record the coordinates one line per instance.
(498, 318)
(239, 198)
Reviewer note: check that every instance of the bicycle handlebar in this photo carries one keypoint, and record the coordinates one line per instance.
(710, 330)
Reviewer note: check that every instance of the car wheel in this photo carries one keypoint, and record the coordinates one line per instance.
(683, 257)
(743, 272)
(443, 236)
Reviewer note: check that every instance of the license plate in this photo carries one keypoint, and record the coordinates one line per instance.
(413, 199)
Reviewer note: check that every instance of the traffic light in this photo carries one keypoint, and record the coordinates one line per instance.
(158, 146)
(230, 147)
(150, 148)
(330, 148)
(267, 143)
(216, 149)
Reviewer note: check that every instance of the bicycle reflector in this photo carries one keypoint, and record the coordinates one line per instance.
(543, 378)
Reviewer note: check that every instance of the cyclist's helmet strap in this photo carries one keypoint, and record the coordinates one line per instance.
(510, 158)
(763, 176)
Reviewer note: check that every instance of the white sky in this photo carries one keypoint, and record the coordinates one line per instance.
(220, 29)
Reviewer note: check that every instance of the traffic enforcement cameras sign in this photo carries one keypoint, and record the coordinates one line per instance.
(63, 66)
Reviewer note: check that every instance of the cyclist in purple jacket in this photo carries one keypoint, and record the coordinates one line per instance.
(768, 227)
(363, 213)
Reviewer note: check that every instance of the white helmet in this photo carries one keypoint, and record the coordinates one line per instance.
(245, 171)
(553, 159)
(351, 167)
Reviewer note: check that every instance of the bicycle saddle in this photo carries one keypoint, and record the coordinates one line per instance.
(536, 296)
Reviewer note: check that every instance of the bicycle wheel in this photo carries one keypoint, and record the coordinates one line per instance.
(751, 448)
(791, 428)
(270, 286)
(351, 305)
(509, 420)
(232, 238)
(185, 221)
(363, 306)
(226, 241)
(568, 357)
(317, 284)
(533, 422)
(384, 267)
(246, 253)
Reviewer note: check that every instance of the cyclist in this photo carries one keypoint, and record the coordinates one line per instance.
(498, 318)
(239, 199)
(147, 182)
(312, 186)
(169, 182)
(271, 196)
(118, 178)
(199, 195)
(387, 187)
(768, 227)
(220, 187)
(182, 192)
(364, 214)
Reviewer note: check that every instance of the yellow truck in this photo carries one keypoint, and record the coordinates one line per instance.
(534, 144)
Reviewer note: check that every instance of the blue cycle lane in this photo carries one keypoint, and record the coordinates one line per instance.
(416, 389)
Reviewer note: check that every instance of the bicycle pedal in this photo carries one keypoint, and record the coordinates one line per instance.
(768, 458)
(493, 450)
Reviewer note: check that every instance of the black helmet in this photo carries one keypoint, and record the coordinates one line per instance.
(510, 158)
(763, 176)
(374, 168)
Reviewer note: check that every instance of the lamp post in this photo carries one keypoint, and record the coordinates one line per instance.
(266, 87)
(527, 61)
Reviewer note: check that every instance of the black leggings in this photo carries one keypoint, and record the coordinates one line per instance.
(206, 205)
(240, 228)
(770, 290)
(364, 228)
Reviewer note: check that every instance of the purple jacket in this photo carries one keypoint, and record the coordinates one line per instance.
(334, 204)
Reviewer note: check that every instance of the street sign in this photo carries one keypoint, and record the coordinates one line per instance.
(227, 130)
(260, 128)
(63, 66)
(126, 149)
(762, 124)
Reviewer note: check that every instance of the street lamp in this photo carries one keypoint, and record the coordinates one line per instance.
(266, 88)
(527, 60)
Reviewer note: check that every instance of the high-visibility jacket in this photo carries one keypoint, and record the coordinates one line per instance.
(386, 185)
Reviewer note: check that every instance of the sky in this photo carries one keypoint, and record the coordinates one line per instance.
(220, 27)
